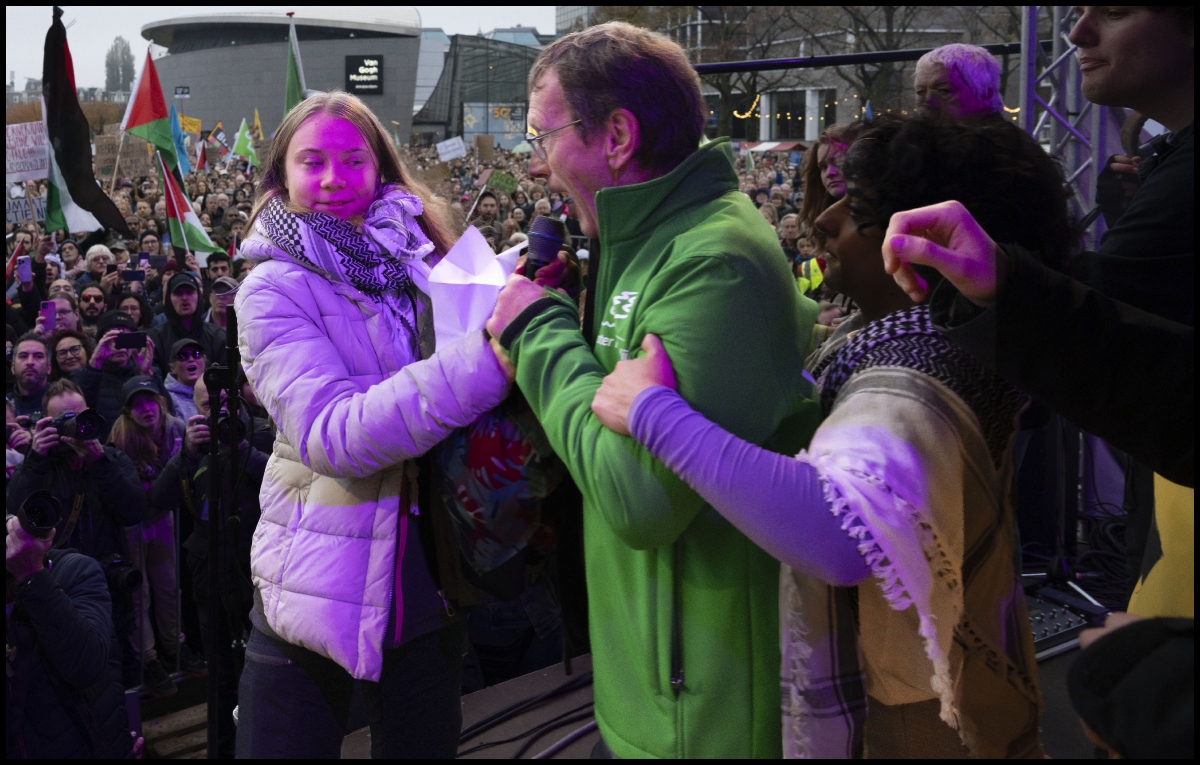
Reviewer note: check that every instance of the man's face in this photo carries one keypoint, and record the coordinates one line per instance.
(1131, 56)
(91, 303)
(222, 201)
(571, 166)
(488, 209)
(99, 262)
(60, 287)
(65, 317)
(941, 91)
(143, 209)
(188, 365)
(217, 269)
(160, 209)
(184, 300)
(789, 229)
(31, 365)
(219, 301)
(210, 204)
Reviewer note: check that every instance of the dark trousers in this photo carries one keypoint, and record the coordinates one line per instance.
(296, 704)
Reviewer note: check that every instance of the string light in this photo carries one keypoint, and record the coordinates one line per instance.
(749, 111)
(1012, 111)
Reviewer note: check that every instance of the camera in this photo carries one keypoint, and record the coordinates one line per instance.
(230, 429)
(86, 425)
(39, 514)
(122, 577)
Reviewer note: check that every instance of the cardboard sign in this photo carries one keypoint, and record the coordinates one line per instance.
(26, 152)
(17, 211)
(485, 147)
(451, 148)
(436, 173)
(136, 159)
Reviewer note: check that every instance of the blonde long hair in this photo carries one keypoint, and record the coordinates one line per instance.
(437, 217)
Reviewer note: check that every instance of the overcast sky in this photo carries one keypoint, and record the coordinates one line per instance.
(95, 28)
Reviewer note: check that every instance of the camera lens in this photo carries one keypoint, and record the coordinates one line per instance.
(39, 514)
(89, 425)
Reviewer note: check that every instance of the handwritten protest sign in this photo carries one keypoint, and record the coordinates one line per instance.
(17, 211)
(451, 148)
(26, 152)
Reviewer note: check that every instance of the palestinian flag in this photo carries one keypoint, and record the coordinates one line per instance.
(74, 200)
(187, 232)
(147, 117)
(201, 156)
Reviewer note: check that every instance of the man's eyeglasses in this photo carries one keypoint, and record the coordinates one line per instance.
(535, 139)
(66, 353)
(91, 299)
(189, 354)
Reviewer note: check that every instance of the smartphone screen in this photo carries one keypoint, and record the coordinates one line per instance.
(49, 314)
(130, 340)
(157, 262)
(112, 268)
(134, 276)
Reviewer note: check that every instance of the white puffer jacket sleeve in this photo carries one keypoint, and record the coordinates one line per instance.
(307, 353)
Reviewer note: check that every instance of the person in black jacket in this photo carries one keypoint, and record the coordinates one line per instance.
(185, 320)
(184, 482)
(64, 697)
(99, 492)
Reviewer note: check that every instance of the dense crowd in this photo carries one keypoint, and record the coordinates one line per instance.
(108, 411)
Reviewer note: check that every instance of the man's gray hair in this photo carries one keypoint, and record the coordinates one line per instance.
(978, 69)
(98, 249)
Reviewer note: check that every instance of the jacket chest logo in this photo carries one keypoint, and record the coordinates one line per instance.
(619, 310)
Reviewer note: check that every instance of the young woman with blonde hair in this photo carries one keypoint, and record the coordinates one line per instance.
(354, 578)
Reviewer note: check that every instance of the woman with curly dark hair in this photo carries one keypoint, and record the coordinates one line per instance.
(134, 304)
(908, 481)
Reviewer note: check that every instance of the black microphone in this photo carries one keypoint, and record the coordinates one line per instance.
(545, 240)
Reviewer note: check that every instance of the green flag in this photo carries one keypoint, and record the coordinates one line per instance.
(243, 144)
(294, 90)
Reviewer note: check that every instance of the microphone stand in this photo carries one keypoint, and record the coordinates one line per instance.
(218, 379)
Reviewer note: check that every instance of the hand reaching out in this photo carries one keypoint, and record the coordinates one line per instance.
(947, 238)
(630, 377)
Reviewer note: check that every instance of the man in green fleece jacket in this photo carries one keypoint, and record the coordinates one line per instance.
(683, 608)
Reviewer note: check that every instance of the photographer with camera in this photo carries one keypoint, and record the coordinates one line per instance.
(184, 482)
(121, 354)
(97, 487)
(63, 695)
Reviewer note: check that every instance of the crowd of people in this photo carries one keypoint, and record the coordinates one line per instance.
(746, 371)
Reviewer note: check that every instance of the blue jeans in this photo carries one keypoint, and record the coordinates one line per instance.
(295, 703)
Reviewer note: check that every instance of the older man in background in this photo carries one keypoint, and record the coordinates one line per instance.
(958, 81)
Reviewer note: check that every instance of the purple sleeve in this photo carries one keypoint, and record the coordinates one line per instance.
(776, 501)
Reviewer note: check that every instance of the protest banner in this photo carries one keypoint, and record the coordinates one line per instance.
(485, 147)
(136, 157)
(502, 182)
(17, 211)
(451, 148)
(26, 152)
(482, 180)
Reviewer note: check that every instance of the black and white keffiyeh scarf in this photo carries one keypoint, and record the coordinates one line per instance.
(908, 339)
(383, 259)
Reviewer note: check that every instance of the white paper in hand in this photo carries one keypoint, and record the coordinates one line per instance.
(465, 284)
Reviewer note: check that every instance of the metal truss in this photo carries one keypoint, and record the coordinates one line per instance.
(1053, 110)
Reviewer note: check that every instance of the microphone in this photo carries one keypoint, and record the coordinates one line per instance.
(545, 240)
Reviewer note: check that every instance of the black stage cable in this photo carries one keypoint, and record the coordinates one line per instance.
(535, 729)
(535, 735)
(566, 741)
(499, 716)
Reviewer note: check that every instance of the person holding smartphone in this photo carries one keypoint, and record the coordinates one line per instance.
(122, 353)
